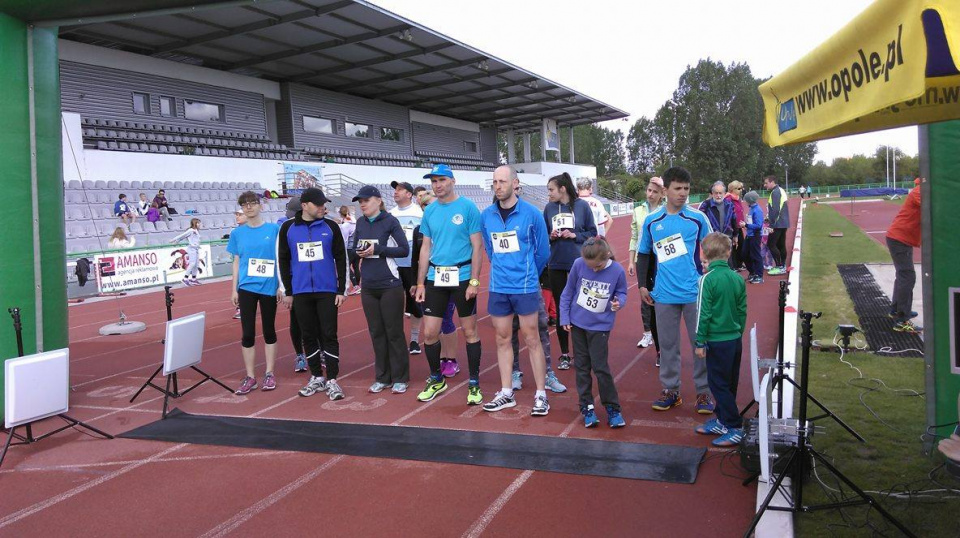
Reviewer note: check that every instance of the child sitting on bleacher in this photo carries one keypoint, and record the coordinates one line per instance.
(119, 239)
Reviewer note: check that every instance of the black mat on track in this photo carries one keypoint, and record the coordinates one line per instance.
(872, 307)
(665, 463)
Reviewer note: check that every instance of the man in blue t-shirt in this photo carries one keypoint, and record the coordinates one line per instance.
(450, 259)
(673, 234)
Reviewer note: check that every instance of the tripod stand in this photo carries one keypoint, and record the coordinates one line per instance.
(28, 427)
(172, 378)
(799, 455)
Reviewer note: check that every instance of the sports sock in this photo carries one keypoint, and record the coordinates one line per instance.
(540, 394)
(473, 359)
(433, 358)
(415, 334)
(508, 392)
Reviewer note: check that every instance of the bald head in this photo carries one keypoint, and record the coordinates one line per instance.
(505, 183)
(506, 172)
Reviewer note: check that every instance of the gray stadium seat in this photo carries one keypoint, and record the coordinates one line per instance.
(100, 185)
(177, 184)
(166, 184)
(136, 185)
(161, 226)
(136, 227)
(74, 197)
(158, 185)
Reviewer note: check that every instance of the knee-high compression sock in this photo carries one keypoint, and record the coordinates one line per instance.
(473, 360)
(433, 358)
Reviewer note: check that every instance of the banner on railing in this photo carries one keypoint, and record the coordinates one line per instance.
(127, 270)
(300, 176)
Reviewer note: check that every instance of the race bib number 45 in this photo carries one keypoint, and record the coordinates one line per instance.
(446, 277)
(310, 251)
(670, 248)
(261, 268)
(505, 242)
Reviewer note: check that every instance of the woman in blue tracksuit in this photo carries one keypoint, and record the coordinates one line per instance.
(380, 240)
(570, 223)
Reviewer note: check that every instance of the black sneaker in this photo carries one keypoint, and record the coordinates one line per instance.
(564, 362)
(658, 359)
(500, 402)
(540, 407)
(414, 348)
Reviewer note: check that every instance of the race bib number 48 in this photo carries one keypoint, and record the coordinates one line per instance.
(505, 242)
(310, 251)
(260, 268)
(446, 277)
(670, 248)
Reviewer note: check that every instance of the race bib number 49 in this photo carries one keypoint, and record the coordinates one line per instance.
(310, 251)
(670, 248)
(260, 268)
(505, 242)
(446, 277)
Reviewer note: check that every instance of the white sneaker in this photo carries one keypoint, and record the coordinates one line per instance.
(378, 387)
(646, 340)
(315, 385)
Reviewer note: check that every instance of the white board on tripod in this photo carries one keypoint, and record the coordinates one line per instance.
(765, 402)
(36, 387)
(754, 363)
(183, 345)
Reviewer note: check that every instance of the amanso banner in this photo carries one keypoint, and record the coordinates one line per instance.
(132, 269)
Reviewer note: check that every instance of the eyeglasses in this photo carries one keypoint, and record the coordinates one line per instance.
(250, 204)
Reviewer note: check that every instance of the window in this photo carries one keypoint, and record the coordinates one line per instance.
(168, 106)
(317, 125)
(357, 130)
(469, 147)
(391, 134)
(195, 110)
(141, 103)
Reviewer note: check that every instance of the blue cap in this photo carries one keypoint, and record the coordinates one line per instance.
(440, 169)
(367, 191)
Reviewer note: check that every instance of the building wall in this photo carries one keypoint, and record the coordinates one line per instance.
(104, 92)
(298, 100)
(488, 145)
(437, 138)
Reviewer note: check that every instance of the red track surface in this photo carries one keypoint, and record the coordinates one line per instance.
(74, 484)
(873, 217)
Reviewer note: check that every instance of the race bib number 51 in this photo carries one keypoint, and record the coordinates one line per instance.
(670, 248)
(260, 268)
(563, 221)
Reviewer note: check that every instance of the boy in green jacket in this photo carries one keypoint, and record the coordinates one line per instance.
(723, 315)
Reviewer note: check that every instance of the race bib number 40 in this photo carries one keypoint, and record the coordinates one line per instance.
(446, 277)
(505, 242)
(670, 248)
(310, 251)
(260, 268)
(594, 300)
(563, 221)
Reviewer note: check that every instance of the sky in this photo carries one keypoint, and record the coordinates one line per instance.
(630, 53)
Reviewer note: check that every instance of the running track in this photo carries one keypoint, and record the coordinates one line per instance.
(873, 217)
(73, 484)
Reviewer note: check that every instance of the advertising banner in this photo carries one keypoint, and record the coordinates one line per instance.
(551, 135)
(301, 176)
(127, 270)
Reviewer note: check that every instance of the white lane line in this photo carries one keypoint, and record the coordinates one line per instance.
(68, 467)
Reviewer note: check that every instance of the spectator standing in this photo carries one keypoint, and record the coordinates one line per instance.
(409, 215)
(738, 256)
(348, 228)
(903, 236)
(778, 215)
(653, 203)
(753, 224)
(296, 335)
(601, 218)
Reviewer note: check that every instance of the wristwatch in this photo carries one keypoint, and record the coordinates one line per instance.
(474, 282)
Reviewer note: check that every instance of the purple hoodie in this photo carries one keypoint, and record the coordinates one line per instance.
(585, 301)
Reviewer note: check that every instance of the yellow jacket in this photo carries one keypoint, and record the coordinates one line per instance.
(636, 227)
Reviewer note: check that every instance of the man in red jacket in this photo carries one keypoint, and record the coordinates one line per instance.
(902, 236)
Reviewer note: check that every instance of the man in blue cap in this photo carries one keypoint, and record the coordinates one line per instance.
(450, 260)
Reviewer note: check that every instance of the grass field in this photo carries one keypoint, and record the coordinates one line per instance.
(883, 401)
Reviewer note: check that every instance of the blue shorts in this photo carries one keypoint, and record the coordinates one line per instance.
(522, 304)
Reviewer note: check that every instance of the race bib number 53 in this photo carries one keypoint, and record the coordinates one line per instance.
(260, 268)
(670, 247)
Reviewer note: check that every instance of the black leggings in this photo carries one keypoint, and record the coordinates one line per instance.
(295, 335)
(651, 281)
(248, 317)
(317, 316)
(777, 243)
(558, 281)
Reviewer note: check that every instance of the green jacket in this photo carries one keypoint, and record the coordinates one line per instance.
(722, 304)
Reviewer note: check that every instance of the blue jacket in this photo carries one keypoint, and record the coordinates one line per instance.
(710, 208)
(516, 272)
(563, 252)
(326, 275)
(754, 221)
(390, 244)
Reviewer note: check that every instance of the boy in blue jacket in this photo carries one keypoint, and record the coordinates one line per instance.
(754, 226)
(515, 238)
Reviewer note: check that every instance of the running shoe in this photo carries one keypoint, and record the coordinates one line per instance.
(614, 418)
(449, 367)
(237, 315)
(730, 439)
(315, 385)
(433, 388)
(516, 380)
(378, 387)
(186, 281)
(334, 392)
(667, 399)
(908, 326)
(247, 385)
(196, 282)
(755, 280)
(896, 315)
(414, 348)
(500, 402)
(540, 407)
(553, 384)
(590, 419)
(399, 388)
(355, 291)
(776, 271)
(646, 340)
(269, 382)
(474, 396)
(711, 427)
(705, 404)
(300, 364)
(564, 362)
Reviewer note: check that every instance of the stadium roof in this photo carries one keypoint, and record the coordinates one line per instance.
(348, 46)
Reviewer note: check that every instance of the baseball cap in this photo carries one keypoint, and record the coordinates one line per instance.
(440, 169)
(367, 191)
(313, 195)
(751, 197)
(293, 205)
(404, 184)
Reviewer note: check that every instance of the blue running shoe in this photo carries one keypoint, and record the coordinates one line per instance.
(300, 364)
(553, 384)
(667, 399)
(590, 419)
(730, 439)
(705, 405)
(711, 427)
(614, 418)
